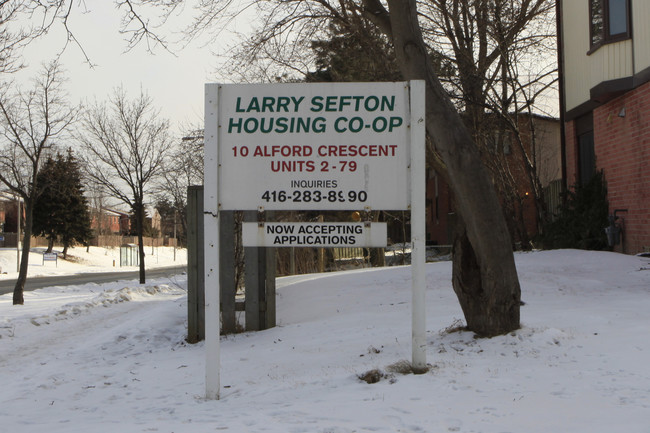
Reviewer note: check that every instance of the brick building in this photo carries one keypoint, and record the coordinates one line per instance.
(540, 137)
(9, 212)
(106, 221)
(605, 69)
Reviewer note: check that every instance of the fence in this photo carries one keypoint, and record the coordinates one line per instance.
(349, 253)
(98, 241)
(553, 197)
(9, 240)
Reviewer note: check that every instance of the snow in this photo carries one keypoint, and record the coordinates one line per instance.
(81, 259)
(112, 357)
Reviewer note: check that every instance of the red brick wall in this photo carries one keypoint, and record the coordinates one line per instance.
(622, 147)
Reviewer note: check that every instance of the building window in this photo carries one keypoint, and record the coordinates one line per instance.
(609, 21)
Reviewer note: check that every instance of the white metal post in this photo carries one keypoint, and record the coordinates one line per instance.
(211, 242)
(418, 229)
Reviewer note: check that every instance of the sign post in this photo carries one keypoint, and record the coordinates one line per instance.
(211, 242)
(418, 228)
(318, 146)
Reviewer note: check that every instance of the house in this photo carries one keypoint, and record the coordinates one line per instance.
(605, 102)
(9, 219)
(110, 222)
(3, 212)
(107, 221)
(540, 139)
(8, 212)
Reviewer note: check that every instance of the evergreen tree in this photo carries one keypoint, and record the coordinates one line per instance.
(170, 215)
(61, 209)
(353, 54)
(147, 228)
(49, 208)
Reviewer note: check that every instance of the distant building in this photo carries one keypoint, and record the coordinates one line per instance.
(542, 133)
(110, 222)
(8, 212)
(107, 221)
(605, 70)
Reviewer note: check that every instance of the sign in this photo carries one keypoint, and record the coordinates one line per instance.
(321, 235)
(50, 257)
(334, 146)
(318, 146)
(2, 238)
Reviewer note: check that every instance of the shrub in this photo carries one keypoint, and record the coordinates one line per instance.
(582, 219)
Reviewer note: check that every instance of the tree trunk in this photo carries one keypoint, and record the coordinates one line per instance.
(140, 229)
(485, 278)
(487, 312)
(19, 288)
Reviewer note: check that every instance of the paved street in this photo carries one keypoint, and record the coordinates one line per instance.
(7, 286)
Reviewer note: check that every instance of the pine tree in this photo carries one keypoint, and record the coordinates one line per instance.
(49, 207)
(61, 209)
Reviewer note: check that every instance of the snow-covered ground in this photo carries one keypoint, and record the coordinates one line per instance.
(112, 358)
(80, 259)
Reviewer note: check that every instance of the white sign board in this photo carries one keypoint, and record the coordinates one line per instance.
(51, 257)
(312, 234)
(334, 146)
(321, 146)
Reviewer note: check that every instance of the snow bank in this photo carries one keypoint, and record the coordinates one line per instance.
(578, 364)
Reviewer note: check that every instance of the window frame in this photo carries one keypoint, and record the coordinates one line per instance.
(605, 37)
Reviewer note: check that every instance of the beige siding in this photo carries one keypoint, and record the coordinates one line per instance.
(641, 34)
(609, 62)
(548, 155)
(575, 33)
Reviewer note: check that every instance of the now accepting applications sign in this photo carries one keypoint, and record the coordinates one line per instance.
(342, 146)
(330, 234)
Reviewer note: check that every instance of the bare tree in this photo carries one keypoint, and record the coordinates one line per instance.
(485, 278)
(183, 167)
(503, 52)
(11, 41)
(125, 144)
(30, 122)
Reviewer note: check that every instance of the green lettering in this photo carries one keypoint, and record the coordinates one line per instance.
(297, 102)
(317, 103)
(283, 103)
(254, 105)
(330, 105)
(267, 102)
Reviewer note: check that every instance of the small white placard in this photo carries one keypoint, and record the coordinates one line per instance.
(314, 234)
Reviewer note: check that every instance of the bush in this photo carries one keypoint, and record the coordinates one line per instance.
(582, 219)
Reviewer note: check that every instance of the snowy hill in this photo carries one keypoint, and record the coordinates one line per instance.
(112, 358)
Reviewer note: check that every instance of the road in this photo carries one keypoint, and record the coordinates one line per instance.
(7, 286)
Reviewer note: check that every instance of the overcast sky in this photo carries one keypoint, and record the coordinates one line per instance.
(175, 81)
